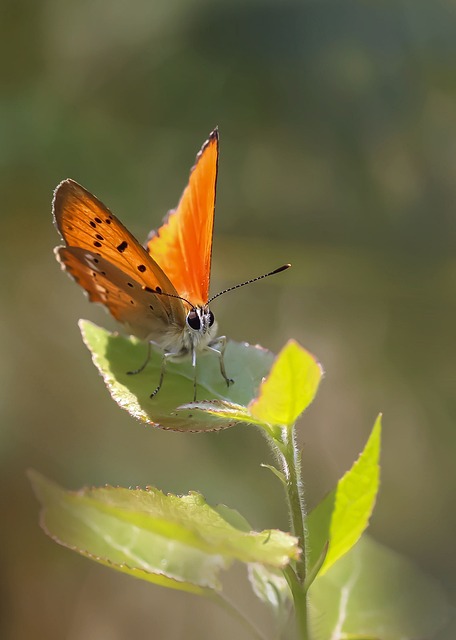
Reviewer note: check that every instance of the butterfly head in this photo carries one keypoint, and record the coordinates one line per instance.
(200, 320)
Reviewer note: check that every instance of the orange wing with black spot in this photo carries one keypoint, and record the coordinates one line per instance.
(112, 266)
(182, 246)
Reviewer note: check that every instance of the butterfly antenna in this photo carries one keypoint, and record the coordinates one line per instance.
(242, 284)
(159, 292)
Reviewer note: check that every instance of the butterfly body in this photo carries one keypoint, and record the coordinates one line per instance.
(179, 342)
(159, 293)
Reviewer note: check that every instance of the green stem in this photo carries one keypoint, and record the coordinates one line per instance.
(290, 462)
(300, 602)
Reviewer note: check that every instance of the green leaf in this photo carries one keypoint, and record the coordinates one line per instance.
(233, 517)
(114, 355)
(375, 593)
(231, 413)
(344, 514)
(177, 542)
(289, 388)
(271, 587)
(284, 393)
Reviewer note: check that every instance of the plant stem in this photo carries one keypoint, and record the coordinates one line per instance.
(290, 462)
(300, 602)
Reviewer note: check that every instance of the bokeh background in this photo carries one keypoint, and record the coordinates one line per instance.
(338, 154)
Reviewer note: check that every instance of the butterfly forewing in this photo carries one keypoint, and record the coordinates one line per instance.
(182, 246)
(85, 223)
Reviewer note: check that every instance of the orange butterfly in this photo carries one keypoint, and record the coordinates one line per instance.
(161, 294)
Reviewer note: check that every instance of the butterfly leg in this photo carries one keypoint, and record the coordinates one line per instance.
(143, 366)
(194, 373)
(220, 351)
(165, 358)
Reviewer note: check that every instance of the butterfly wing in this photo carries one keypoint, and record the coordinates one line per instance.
(182, 246)
(138, 308)
(97, 242)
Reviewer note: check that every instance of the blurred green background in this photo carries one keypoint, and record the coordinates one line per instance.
(338, 154)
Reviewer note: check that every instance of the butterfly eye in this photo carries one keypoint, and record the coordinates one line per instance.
(193, 320)
(211, 318)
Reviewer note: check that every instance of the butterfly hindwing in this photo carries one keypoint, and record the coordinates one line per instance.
(139, 309)
(182, 246)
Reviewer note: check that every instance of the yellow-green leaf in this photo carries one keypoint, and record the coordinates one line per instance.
(344, 514)
(175, 541)
(289, 387)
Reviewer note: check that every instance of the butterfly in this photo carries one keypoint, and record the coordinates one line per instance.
(159, 292)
